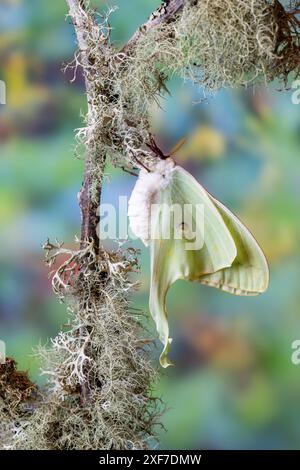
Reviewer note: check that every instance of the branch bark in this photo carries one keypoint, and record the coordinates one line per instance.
(164, 14)
(88, 207)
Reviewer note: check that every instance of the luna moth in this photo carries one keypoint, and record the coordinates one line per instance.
(229, 258)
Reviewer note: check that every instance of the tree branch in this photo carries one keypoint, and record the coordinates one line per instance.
(85, 25)
(89, 208)
(164, 14)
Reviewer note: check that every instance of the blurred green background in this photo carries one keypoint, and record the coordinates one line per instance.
(234, 385)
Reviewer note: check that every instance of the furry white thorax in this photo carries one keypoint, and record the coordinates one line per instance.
(144, 194)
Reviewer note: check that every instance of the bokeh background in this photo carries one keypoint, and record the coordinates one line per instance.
(234, 385)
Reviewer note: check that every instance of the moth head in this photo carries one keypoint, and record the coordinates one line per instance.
(164, 167)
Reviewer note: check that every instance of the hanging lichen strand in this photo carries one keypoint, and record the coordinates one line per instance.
(102, 348)
(98, 394)
(214, 43)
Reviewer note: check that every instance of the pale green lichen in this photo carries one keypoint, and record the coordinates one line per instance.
(104, 348)
(214, 43)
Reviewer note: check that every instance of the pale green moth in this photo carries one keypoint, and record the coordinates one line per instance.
(228, 256)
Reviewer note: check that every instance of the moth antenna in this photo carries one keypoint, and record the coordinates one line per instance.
(152, 145)
(141, 164)
(178, 146)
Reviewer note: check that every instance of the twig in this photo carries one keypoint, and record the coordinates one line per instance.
(164, 14)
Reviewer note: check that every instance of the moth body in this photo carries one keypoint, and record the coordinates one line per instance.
(144, 194)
